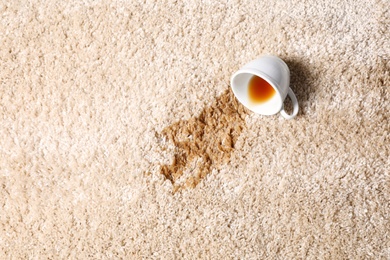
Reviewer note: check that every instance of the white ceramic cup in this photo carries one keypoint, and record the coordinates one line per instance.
(275, 71)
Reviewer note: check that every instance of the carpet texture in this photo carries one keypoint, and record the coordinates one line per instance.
(120, 137)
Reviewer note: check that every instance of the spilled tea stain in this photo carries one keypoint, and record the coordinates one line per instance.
(205, 142)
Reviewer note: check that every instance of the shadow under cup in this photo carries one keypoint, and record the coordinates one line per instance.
(240, 87)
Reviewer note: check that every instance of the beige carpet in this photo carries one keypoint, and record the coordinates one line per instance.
(120, 138)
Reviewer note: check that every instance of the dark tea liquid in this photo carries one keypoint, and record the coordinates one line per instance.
(260, 90)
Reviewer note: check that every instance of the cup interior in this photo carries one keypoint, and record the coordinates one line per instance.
(240, 86)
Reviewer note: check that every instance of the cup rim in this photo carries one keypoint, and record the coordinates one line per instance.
(262, 75)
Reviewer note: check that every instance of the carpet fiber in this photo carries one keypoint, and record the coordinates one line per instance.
(120, 136)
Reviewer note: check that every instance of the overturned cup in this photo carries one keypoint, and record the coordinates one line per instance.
(263, 84)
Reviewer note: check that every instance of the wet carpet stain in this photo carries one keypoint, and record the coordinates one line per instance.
(205, 142)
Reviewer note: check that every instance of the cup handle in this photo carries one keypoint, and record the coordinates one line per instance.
(295, 106)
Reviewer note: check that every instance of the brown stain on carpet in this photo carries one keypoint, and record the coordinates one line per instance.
(205, 142)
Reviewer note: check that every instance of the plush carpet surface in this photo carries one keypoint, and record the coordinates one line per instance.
(120, 136)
